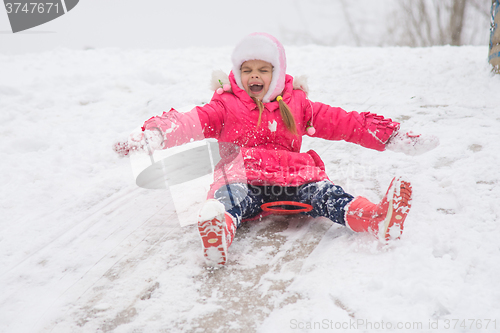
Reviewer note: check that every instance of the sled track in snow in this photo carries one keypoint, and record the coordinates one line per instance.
(248, 295)
(264, 259)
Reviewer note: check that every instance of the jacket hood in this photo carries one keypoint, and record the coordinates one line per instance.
(262, 46)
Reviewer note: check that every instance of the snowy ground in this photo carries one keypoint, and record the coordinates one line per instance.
(83, 249)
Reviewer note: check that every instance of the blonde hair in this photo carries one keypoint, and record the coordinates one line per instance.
(286, 114)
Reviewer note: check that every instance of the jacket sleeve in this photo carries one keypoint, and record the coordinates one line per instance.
(180, 128)
(366, 129)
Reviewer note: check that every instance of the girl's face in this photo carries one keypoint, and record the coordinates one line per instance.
(256, 77)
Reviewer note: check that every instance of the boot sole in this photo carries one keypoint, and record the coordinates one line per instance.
(213, 241)
(399, 207)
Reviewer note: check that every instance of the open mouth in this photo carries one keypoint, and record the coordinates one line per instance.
(256, 87)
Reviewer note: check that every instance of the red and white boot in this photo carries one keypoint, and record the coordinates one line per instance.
(217, 229)
(384, 220)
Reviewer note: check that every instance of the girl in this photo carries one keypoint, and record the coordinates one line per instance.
(261, 110)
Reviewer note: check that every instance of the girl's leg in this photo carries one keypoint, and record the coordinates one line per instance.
(220, 217)
(384, 220)
(216, 228)
(328, 200)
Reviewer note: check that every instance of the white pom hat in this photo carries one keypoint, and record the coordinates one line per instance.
(262, 46)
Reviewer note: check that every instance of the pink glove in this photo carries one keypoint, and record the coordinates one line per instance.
(121, 148)
(140, 141)
(411, 143)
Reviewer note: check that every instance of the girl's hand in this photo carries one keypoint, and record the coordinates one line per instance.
(140, 141)
(411, 143)
(121, 148)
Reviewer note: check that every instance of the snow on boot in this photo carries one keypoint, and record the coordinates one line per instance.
(216, 228)
(384, 220)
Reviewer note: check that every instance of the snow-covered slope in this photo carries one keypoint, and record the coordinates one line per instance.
(82, 249)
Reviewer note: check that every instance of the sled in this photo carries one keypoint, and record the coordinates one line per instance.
(286, 207)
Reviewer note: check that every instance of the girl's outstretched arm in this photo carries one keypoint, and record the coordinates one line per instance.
(174, 128)
(180, 128)
(366, 129)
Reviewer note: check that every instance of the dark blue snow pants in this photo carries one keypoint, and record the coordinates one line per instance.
(244, 201)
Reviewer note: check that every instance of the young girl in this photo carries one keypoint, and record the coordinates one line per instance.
(261, 111)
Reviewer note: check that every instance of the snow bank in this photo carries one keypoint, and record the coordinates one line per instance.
(83, 249)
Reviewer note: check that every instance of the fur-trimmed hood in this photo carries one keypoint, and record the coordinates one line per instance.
(262, 46)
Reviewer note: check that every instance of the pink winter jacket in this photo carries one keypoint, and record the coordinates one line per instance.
(270, 154)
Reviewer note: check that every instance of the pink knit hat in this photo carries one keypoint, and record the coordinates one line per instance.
(262, 46)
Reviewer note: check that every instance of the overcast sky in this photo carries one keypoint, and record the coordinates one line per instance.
(146, 24)
(160, 24)
(175, 24)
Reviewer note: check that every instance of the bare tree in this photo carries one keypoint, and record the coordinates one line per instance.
(350, 23)
(457, 21)
(437, 22)
(416, 23)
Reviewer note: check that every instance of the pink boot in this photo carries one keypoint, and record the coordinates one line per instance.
(386, 219)
(216, 228)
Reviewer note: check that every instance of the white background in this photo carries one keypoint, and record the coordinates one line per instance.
(154, 24)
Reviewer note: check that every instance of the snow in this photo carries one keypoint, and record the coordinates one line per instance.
(83, 249)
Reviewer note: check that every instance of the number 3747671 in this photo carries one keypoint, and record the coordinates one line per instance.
(33, 7)
(470, 324)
